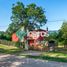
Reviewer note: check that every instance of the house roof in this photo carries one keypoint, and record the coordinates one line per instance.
(40, 30)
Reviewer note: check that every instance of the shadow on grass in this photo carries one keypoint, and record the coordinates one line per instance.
(60, 50)
(19, 51)
(48, 58)
(10, 51)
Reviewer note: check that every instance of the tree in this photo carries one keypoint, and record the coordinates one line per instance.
(4, 36)
(35, 15)
(31, 17)
(59, 36)
(16, 18)
(53, 35)
(64, 32)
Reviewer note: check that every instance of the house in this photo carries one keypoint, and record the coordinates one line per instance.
(33, 38)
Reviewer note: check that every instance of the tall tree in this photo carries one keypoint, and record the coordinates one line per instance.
(64, 32)
(53, 35)
(30, 17)
(16, 18)
(35, 15)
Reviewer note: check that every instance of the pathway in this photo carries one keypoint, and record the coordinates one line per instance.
(16, 61)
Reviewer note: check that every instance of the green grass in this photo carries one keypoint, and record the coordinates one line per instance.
(53, 56)
(4, 49)
(48, 58)
(60, 55)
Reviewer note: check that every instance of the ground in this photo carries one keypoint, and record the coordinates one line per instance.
(7, 60)
(11, 56)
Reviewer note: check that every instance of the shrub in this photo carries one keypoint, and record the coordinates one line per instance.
(19, 44)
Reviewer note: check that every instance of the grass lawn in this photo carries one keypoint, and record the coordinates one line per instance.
(55, 54)
(60, 55)
(4, 49)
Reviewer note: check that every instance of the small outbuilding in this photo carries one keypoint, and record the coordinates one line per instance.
(51, 45)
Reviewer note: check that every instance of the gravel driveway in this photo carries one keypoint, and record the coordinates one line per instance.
(15, 61)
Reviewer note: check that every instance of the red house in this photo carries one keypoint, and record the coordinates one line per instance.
(33, 38)
(36, 36)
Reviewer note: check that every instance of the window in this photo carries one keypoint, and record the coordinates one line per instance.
(42, 33)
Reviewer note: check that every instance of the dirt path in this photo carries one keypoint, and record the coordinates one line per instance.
(16, 61)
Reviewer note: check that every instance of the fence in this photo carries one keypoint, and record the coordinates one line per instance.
(5, 42)
(10, 43)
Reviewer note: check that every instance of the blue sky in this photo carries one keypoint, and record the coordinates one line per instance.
(55, 10)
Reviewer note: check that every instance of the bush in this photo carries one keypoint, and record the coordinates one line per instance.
(19, 44)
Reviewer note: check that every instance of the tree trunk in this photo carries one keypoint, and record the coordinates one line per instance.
(26, 45)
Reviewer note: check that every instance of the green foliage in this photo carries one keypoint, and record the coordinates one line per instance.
(17, 17)
(60, 39)
(20, 45)
(5, 36)
(1, 34)
(36, 15)
(53, 36)
(30, 17)
(64, 32)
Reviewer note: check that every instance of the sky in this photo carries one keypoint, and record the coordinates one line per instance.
(55, 11)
